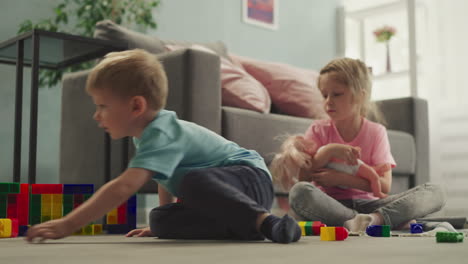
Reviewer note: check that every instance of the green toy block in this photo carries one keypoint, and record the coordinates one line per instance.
(7, 187)
(451, 237)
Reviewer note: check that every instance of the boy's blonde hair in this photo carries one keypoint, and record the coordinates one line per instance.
(131, 73)
(356, 75)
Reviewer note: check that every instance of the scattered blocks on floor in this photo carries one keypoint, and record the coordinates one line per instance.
(310, 228)
(450, 237)
(378, 230)
(333, 233)
(90, 230)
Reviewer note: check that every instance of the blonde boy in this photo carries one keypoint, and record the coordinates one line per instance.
(226, 190)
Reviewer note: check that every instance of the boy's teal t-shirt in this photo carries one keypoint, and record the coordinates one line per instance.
(171, 148)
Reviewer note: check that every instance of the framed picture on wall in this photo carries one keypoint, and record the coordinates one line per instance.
(263, 13)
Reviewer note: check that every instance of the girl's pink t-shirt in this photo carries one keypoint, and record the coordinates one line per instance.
(375, 150)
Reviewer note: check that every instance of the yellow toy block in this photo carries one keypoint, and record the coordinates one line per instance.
(327, 233)
(302, 226)
(97, 229)
(57, 206)
(112, 217)
(46, 207)
(5, 227)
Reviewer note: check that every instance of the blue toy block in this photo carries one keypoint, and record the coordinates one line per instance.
(22, 230)
(78, 188)
(118, 229)
(378, 230)
(416, 228)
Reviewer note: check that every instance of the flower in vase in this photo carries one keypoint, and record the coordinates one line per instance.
(384, 33)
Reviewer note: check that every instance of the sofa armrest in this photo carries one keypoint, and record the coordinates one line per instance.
(410, 115)
(194, 93)
(194, 86)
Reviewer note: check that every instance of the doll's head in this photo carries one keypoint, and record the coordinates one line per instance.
(295, 154)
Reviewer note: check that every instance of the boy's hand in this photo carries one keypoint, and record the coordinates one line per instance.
(53, 229)
(142, 232)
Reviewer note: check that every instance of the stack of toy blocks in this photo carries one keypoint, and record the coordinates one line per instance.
(22, 205)
(123, 218)
(378, 230)
(14, 203)
(310, 228)
(333, 233)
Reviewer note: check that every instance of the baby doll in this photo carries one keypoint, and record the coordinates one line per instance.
(295, 153)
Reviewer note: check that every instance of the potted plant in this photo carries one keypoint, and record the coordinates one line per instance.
(384, 34)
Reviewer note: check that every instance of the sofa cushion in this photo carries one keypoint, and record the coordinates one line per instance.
(239, 89)
(403, 150)
(293, 90)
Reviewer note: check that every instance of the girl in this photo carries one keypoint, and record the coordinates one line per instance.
(346, 87)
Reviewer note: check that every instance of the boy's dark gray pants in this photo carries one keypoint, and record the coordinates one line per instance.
(217, 203)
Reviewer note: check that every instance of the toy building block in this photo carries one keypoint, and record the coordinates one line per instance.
(78, 199)
(57, 206)
(97, 229)
(132, 212)
(3, 205)
(46, 188)
(46, 207)
(12, 206)
(378, 230)
(8, 227)
(23, 205)
(22, 229)
(310, 228)
(78, 189)
(9, 187)
(35, 204)
(333, 233)
(416, 228)
(112, 217)
(118, 229)
(450, 237)
(5, 227)
(122, 214)
(67, 205)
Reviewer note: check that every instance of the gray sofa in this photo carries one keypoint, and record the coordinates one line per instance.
(195, 94)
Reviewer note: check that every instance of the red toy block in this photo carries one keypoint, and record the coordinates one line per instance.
(341, 233)
(12, 206)
(122, 214)
(14, 227)
(23, 205)
(46, 188)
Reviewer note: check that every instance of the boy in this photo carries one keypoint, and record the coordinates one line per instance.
(226, 191)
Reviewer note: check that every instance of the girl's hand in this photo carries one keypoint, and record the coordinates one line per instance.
(346, 153)
(325, 177)
(142, 232)
(53, 229)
